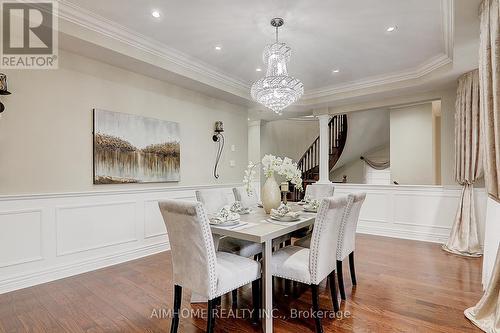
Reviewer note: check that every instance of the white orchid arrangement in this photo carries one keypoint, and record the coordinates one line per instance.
(271, 164)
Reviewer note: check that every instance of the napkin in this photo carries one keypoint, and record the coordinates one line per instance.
(313, 205)
(237, 207)
(225, 215)
(284, 211)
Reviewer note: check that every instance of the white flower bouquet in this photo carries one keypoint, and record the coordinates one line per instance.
(271, 164)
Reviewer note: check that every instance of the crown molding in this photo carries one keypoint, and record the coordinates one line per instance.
(377, 81)
(194, 68)
(89, 20)
(443, 59)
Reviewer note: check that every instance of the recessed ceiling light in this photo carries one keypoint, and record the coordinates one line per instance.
(336, 71)
(218, 48)
(258, 70)
(391, 29)
(155, 14)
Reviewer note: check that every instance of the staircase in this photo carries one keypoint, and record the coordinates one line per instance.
(309, 162)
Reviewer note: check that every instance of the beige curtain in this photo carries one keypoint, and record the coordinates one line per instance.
(464, 239)
(486, 313)
(377, 165)
(489, 71)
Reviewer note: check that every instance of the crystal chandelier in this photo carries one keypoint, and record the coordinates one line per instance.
(277, 90)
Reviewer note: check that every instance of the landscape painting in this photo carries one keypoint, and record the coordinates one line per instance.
(135, 149)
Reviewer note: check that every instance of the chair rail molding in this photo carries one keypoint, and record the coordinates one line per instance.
(45, 237)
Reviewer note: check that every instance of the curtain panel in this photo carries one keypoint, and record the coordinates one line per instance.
(489, 72)
(464, 237)
(377, 165)
(486, 313)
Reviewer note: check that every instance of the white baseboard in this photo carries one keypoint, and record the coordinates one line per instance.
(404, 234)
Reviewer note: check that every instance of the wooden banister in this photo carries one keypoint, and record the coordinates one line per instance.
(309, 162)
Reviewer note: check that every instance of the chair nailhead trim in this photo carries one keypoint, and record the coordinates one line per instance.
(321, 217)
(210, 248)
(345, 215)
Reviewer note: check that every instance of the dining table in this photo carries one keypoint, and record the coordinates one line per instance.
(258, 227)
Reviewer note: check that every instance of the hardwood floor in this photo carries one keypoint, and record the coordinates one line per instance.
(403, 286)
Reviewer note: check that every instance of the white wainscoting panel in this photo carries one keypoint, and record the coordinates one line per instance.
(46, 237)
(377, 209)
(20, 237)
(153, 221)
(423, 213)
(93, 226)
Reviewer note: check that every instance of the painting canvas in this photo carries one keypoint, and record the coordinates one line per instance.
(134, 149)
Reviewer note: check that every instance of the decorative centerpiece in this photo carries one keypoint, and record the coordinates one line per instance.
(271, 194)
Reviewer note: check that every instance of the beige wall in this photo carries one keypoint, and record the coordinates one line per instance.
(254, 145)
(46, 130)
(411, 147)
(353, 170)
(289, 138)
(448, 137)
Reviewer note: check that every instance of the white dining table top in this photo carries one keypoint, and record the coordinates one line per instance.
(258, 227)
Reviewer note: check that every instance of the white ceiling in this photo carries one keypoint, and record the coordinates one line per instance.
(323, 34)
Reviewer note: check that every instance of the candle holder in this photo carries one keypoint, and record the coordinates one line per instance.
(284, 191)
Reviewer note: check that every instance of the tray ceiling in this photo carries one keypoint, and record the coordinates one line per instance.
(324, 35)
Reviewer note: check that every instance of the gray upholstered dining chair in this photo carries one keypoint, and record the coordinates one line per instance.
(317, 192)
(214, 200)
(312, 265)
(347, 239)
(320, 191)
(196, 264)
(247, 201)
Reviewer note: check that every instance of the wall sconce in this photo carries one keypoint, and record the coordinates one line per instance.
(219, 138)
(3, 89)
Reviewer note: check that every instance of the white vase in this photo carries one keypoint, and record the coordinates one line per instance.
(271, 195)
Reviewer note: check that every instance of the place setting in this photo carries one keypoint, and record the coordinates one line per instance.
(283, 214)
(230, 216)
(312, 206)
